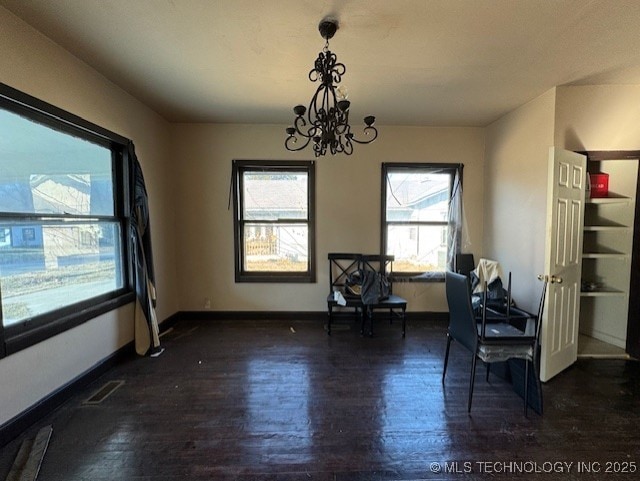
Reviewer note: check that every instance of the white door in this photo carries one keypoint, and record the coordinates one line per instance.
(563, 261)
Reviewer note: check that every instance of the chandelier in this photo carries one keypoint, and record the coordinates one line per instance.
(326, 121)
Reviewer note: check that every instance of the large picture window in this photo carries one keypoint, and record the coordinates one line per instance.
(62, 221)
(274, 221)
(420, 218)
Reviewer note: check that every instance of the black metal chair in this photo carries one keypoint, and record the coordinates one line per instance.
(342, 268)
(396, 306)
(495, 338)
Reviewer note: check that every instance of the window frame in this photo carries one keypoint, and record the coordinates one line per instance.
(391, 167)
(26, 333)
(239, 167)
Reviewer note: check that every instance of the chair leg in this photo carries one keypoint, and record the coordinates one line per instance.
(361, 313)
(538, 383)
(446, 357)
(370, 316)
(329, 321)
(404, 322)
(488, 369)
(473, 376)
(526, 386)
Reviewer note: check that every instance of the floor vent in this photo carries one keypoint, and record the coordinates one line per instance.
(104, 392)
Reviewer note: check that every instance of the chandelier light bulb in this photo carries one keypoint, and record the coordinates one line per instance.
(342, 93)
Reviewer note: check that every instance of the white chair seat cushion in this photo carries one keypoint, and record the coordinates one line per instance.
(489, 353)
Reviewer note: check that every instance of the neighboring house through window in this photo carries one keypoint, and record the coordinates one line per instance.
(420, 217)
(274, 221)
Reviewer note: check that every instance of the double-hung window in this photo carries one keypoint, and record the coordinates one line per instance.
(274, 221)
(62, 220)
(421, 217)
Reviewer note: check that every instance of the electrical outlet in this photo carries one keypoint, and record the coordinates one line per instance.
(207, 303)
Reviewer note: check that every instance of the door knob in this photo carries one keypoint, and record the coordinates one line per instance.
(550, 279)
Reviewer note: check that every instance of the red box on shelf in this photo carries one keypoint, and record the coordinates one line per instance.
(599, 184)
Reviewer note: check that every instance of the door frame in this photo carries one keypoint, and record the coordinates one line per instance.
(633, 313)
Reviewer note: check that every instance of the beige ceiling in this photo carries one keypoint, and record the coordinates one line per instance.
(409, 62)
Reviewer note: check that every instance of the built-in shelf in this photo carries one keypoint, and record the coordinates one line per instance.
(607, 250)
(603, 293)
(611, 199)
(604, 255)
(607, 228)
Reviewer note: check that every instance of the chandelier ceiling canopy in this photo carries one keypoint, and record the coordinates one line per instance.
(326, 121)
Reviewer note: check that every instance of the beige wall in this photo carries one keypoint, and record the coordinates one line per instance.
(516, 159)
(31, 63)
(598, 117)
(348, 208)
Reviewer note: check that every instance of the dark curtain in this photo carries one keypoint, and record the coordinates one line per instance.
(147, 338)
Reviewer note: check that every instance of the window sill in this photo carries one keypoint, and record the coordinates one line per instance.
(66, 319)
(432, 277)
(279, 277)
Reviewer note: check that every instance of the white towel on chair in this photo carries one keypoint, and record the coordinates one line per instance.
(486, 271)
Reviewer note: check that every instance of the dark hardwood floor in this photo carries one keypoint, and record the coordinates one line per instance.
(281, 400)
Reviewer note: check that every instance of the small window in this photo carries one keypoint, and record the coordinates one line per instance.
(29, 234)
(274, 207)
(417, 224)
